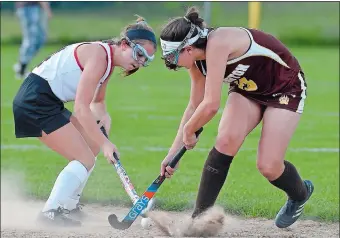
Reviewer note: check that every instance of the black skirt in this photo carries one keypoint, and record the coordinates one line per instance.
(36, 108)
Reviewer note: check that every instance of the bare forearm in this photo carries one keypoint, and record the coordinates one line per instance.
(178, 142)
(88, 121)
(98, 109)
(203, 114)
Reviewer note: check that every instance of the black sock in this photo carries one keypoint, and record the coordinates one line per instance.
(22, 68)
(291, 183)
(213, 177)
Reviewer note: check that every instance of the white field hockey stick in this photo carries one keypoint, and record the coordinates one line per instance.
(125, 180)
(130, 190)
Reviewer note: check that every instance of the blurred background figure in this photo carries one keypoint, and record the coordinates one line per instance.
(33, 18)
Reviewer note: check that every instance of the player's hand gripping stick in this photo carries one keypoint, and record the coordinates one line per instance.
(143, 201)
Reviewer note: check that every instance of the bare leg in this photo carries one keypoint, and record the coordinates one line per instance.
(278, 128)
(68, 142)
(239, 118)
(73, 202)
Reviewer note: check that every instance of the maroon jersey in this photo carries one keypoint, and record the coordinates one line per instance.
(267, 73)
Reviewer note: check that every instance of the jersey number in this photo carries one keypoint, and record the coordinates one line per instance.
(247, 85)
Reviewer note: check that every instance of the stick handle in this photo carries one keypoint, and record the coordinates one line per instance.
(106, 135)
(125, 180)
(181, 152)
(115, 156)
(103, 130)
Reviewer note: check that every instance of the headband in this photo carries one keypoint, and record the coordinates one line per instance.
(141, 34)
(170, 46)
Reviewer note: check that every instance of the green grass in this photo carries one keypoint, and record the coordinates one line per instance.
(146, 109)
(290, 21)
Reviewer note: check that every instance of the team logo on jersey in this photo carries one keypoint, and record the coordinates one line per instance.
(247, 85)
(284, 100)
(237, 73)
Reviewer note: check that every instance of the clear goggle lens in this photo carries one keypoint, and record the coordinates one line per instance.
(171, 60)
(141, 55)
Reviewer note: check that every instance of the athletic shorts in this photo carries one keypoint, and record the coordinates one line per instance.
(292, 98)
(37, 109)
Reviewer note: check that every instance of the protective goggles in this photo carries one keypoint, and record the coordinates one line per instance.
(138, 52)
(171, 57)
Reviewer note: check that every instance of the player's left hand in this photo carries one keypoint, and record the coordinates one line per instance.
(105, 121)
(189, 139)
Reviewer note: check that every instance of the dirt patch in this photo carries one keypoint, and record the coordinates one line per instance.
(209, 224)
(18, 220)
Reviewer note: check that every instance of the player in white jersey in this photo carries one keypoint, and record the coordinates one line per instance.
(80, 73)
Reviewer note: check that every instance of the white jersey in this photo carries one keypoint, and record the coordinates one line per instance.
(62, 70)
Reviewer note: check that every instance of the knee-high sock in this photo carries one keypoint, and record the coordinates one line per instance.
(74, 199)
(291, 182)
(69, 179)
(214, 174)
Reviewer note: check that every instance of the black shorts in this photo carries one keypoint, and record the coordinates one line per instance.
(36, 108)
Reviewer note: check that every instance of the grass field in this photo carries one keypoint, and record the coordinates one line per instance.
(146, 109)
(278, 18)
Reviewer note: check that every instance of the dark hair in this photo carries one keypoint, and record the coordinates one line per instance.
(139, 24)
(177, 28)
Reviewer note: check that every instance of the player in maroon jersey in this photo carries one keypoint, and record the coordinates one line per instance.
(266, 83)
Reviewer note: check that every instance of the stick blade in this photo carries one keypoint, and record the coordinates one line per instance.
(113, 220)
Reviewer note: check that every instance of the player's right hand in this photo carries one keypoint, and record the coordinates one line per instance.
(167, 170)
(108, 148)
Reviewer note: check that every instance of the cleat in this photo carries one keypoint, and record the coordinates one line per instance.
(57, 218)
(78, 212)
(292, 210)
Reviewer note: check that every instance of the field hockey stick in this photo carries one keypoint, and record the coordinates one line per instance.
(142, 203)
(126, 182)
(124, 178)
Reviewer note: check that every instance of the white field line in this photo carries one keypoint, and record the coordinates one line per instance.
(25, 147)
(172, 117)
